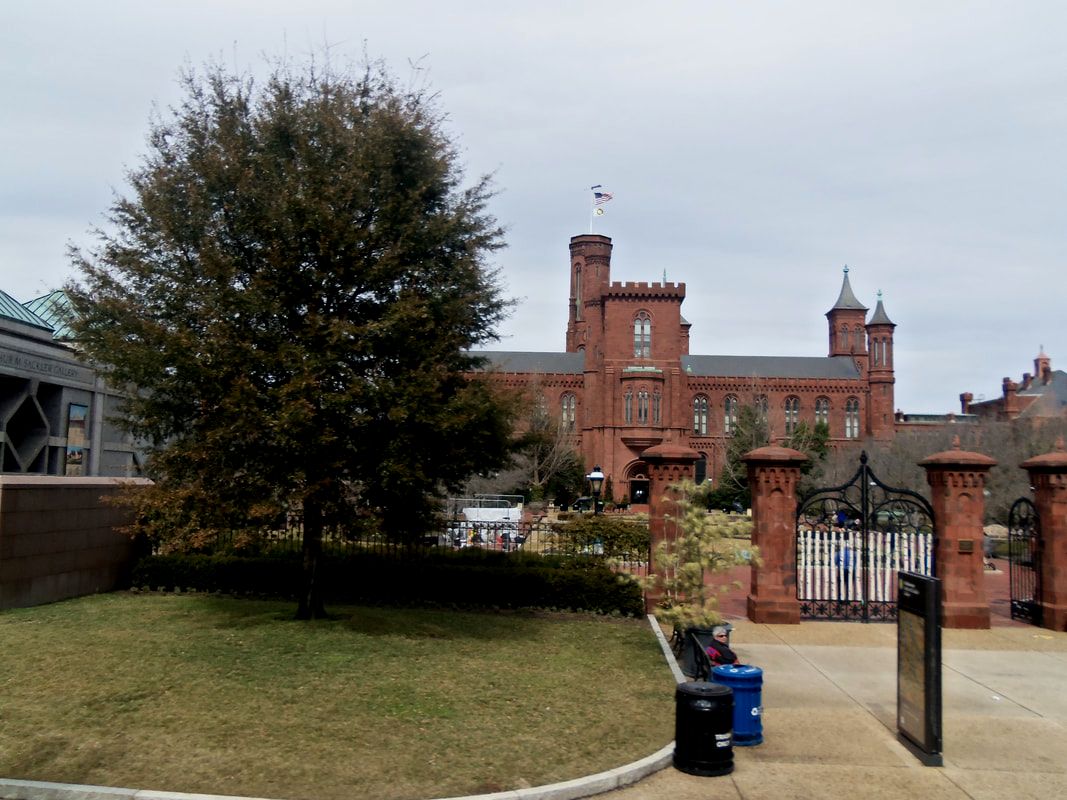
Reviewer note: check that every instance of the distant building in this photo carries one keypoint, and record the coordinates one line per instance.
(54, 410)
(1040, 394)
(627, 380)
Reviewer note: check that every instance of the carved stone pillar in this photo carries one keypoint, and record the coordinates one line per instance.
(957, 481)
(1048, 476)
(667, 464)
(773, 473)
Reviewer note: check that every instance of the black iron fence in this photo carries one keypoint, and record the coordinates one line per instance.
(542, 538)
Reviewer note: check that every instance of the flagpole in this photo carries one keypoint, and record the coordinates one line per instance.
(596, 200)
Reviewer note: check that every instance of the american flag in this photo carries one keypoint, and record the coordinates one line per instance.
(600, 197)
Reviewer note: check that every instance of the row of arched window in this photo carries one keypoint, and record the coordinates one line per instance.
(858, 337)
(648, 407)
(702, 411)
(880, 352)
(643, 408)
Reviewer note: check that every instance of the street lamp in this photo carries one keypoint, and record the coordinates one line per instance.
(596, 483)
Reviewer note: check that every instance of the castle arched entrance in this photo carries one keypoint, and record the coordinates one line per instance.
(637, 483)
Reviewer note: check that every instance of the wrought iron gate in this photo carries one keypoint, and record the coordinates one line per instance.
(1024, 561)
(851, 541)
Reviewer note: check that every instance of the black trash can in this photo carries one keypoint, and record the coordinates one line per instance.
(703, 728)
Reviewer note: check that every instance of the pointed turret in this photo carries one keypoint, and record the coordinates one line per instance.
(879, 317)
(880, 373)
(847, 299)
(846, 320)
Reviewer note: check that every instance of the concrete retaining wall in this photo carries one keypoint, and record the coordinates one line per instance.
(58, 538)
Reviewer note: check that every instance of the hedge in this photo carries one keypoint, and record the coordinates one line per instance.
(478, 579)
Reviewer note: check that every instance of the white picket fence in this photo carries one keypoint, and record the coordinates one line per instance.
(829, 563)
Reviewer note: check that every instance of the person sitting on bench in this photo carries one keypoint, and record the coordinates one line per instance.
(718, 649)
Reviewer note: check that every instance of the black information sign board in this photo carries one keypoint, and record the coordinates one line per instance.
(919, 665)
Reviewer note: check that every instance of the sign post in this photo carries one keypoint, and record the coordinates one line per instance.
(919, 666)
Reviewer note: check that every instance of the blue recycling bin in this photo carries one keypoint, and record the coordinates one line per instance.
(747, 685)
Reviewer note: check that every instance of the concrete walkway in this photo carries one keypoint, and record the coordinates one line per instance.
(829, 701)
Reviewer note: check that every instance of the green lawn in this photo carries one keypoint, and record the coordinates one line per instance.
(196, 693)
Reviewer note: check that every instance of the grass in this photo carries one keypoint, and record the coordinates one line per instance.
(194, 693)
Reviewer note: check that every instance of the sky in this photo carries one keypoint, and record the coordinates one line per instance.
(753, 150)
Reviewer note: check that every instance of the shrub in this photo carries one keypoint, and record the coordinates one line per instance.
(697, 546)
(472, 577)
(596, 534)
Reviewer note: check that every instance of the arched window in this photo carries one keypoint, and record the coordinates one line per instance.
(876, 352)
(568, 405)
(822, 410)
(700, 415)
(843, 337)
(857, 340)
(628, 406)
(792, 414)
(762, 405)
(642, 335)
(642, 408)
(578, 293)
(852, 418)
(729, 422)
(657, 404)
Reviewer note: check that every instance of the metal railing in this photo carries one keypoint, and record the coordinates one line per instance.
(544, 538)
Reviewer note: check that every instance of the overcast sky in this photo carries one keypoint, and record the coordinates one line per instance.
(753, 149)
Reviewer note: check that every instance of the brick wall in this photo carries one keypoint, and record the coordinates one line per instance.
(58, 538)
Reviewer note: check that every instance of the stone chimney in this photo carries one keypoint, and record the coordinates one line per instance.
(965, 402)
(1011, 401)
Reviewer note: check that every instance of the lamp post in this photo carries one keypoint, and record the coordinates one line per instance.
(596, 483)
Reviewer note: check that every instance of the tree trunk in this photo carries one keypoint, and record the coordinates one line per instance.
(311, 605)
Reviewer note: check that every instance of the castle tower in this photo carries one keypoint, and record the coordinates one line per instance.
(846, 320)
(590, 276)
(880, 374)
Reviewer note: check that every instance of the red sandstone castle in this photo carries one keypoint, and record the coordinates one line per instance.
(627, 381)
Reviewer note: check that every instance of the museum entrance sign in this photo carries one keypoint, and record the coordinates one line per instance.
(919, 665)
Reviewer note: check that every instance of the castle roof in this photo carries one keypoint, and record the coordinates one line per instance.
(847, 299)
(832, 367)
(741, 367)
(880, 317)
(535, 363)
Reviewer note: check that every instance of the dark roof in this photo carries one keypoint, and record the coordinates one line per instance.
(880, 317)
(12, 309)
(1051, 397)
(534, 363)
(847, 300)
(834, 367)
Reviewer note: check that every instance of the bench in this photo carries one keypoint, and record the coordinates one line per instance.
(689, 647)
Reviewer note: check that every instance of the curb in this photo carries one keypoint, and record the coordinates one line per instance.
(566, 790)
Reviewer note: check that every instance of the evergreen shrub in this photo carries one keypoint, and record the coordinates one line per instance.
(469, 578)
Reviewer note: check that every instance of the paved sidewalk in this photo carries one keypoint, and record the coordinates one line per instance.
(829, 699)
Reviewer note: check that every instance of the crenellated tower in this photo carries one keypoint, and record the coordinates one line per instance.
(590, 277)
